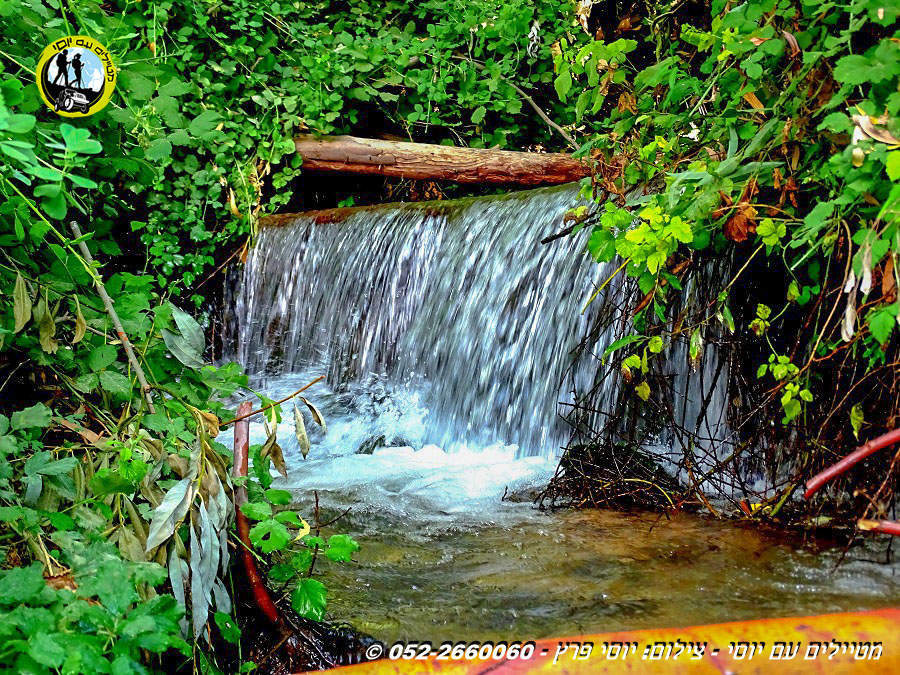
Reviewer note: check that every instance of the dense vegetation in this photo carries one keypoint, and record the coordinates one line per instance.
(763, 130)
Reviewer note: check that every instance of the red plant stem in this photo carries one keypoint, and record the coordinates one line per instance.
(885, 526)
(863, 451)
(257, 586)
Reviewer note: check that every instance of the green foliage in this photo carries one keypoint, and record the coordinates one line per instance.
(281, 531)
(101, 627)
(769, 122)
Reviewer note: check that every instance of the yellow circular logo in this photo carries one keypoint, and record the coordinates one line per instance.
(76, 76)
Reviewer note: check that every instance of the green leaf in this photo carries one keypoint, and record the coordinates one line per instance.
(270, 535)
(770, 231)
(227, 627)
(853, 69)
(109, 481)
(309, 599)
(856, 419)
(623, 342)
(892, 164)
(37, 415)
(19, 585)
(563, 83)
(78, 140)
(204, 124)
(341, 547)
(279, 497)
(100, 357)
(46, 650)
(881, 323)
(86, 383)
(256, 510)
(59, 467)
(479, 114)
(602, 245)
(159, 149)
(656, 344)
(643, 390)
(115, 383)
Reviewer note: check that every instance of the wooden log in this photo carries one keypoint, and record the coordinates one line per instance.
(425, 161)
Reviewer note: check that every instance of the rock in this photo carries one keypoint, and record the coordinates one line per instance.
(369, 446)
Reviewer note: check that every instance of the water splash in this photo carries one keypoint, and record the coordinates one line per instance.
(455, 302)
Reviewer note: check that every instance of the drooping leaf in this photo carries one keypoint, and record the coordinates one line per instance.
(316, 415)
(80, 324)
(272, 450)
(187, 346)
(21, 304)
(300, 432)
(47, 332)
(170, 512)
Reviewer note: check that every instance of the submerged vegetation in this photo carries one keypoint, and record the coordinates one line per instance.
(764, 137)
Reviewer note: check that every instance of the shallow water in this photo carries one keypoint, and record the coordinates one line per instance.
(570, 573)
(445, 332)
(443, 557)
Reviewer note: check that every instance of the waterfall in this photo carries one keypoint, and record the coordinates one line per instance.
(458, 301)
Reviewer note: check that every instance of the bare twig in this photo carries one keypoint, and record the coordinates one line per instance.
(272, 405)
(107, 303)
(530, 101)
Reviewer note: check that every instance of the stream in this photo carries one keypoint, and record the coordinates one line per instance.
(445, 332)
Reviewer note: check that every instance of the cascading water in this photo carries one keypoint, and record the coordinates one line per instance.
(457, 302)
(445, 331)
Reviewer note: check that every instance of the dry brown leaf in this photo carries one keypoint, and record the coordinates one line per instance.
(272, 449)
(88, 435)
(727, 203)
(316, 415)
(792, 41)
(232, 204)
(877, 133)
(300, 432)
(626, 102)
(209, 421)
(754, 102)
(80, 323)
(887, 277)
(742, 224)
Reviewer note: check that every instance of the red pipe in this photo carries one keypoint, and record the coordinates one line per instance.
(257, 585)
(885, 526)
(863, 451)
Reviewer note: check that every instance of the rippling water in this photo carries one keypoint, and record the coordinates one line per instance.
(445, 332)
(458, 301)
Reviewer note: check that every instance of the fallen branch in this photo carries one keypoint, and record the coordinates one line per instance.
(427, 161)
(254, 579)
(835, 470)
(107, 303)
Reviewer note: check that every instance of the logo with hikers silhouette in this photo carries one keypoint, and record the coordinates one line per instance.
(76, 76)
